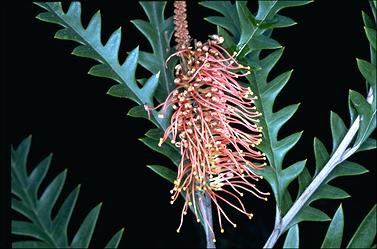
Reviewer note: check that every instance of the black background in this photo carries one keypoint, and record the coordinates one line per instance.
(47, 93)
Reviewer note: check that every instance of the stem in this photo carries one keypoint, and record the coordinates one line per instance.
(207, 208)
(339, 156)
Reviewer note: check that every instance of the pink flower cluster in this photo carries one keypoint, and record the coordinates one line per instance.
(214, 125)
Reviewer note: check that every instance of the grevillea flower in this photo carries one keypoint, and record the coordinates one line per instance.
(214, 126)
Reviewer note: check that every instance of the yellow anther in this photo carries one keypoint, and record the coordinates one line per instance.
(222, 230)
(198, 220)
(214, 240)
(160, 143)
(189, 203)
(172, 141)
(177, 230)
(234, 225)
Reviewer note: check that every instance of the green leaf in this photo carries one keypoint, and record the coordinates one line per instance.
(367, 115)
(308, 213)
(49, 197)
(30, 244)
(166, 173)
(368, 22)
(346, 168)
(37, 176)
(290, 173)
(334, 234)
(338, 130)
(114, 242)
(369, 144)
(367, 70)
(61, 220)
(293, 239)
(325, 191)
(52, 233)
(230, 21)
(321, 155)
(371, 34)
(92, 47)
(164, 149)
(28, 229)
(304, 179)
(84, 234)
(158, 31)
(366, 232)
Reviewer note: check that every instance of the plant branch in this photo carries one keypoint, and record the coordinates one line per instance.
(341, 154)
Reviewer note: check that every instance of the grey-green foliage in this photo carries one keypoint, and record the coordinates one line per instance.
(158, 31)
(362, 238)
(248, 34)
(358, 105)
(251, 33)
(47, 231)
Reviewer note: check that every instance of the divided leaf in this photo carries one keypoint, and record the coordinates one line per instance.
(50, 233)
(366, 232)
(107, 55)
(249, 35)
(334, 234)
(293, 239)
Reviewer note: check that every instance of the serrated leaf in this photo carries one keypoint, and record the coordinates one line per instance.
(346, 168)
(158, 31)
(308, 213)
(84, 234)
(166, 173)
(49, 197)
(366, 232)
(368, 22)
(334, 234)
(325, 191)
(53, 234)
(92, 47)
(369, 144)
(37, 176)
(30, 244)
(282, 147)
(61, 220)
(155, 133)
(371, 35)
(114, 242)
(282, 116)
(164, 149)
(338, 130)
(293, 239)
(102, 70)
(229, 11)
(321, 155)
(290, 173)
(20, 207)
(367, 70)
(304, 179)
(273, 88)
(366, 116)
(28, 229)
(259, 42)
